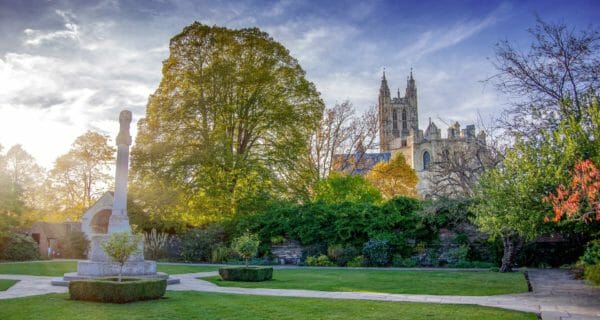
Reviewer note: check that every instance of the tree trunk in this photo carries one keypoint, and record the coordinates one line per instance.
(510, 251)
(121, 272)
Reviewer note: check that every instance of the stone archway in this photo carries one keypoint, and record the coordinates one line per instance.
(99, 223)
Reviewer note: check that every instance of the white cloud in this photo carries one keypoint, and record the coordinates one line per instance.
(71, 31)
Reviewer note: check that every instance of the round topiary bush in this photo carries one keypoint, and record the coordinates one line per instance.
(112, 291)
(250, 274)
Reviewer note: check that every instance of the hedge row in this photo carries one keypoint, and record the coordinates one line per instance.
(109, 290)
(251, 274)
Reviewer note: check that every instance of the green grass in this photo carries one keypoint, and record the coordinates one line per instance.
(58, 268)
(196, 305)
(390, 281)
(5, 284)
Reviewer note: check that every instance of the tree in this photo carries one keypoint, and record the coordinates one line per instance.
(394, 178)
(120, 246)
(581, 199)
(81, 175)
(11, 205)
(456, 167)
(559, 65)
(340, 187)
(246, 246)
(228, 124)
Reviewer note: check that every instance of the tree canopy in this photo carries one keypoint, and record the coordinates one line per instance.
(394, 177)
(228, 124)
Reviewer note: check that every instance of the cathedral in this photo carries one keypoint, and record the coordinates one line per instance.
(399, 132)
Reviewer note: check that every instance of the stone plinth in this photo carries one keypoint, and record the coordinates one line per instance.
(103, 269)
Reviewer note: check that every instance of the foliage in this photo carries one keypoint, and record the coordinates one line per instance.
(80, 176)
(357, 261)
(120, 246)
(376, 253)
(338, 188)
(250, 274)
(340, 254)
(155, 244)
(74, 245)
(592, 274)
(198, 243)
(352, 224)
(581, 199)
(228, 125)
(110, 291)
(18, 247)
(394, 178)
(220, 254)
(320, 261)
(592, 253)
(246, 246)
(399, 262)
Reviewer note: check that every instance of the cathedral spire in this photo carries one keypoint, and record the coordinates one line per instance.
(384, 90)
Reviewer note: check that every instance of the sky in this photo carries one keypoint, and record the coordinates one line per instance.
(70, 66)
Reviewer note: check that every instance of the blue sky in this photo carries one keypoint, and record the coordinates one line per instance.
(70, 66)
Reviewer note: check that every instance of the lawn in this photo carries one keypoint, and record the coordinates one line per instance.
(196, 305)
(58, 268)
(5, 284)
(390, 281)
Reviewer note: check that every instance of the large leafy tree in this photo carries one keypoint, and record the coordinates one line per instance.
(11, 205)
(394, 178)
(229, 122)
(341, 187)
(510, 198)
(80, 176)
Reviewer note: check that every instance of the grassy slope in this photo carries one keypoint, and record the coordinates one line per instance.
(410, 282)
(5, 284)
(58, 268)
(195, 305)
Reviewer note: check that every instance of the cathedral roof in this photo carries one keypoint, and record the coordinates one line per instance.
(366, 161)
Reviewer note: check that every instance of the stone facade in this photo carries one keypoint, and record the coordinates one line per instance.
(289, 252)
(399, 132)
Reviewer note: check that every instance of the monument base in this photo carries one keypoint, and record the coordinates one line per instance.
(103, 269)
(64, 282)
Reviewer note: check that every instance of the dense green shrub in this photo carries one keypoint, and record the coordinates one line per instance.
(74, 245)
(197, 244)
(376, 252)
(320, 261)
(358, 261)
(592, 274)
(339, 188)
(400, 262)
(109, 290)
(592, 253)
(251, 274)
(18, 247)
(220, 254)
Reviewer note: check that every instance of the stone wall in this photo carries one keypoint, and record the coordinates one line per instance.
(289, 252)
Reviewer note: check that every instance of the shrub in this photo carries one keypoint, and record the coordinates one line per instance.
(320, 261)
(220, 254)
(592, 253)
(246, 246)
(251, 274)
(335, 251)
(155, 244)
(347, 255)
(74, 245)
(197, 244)
(592, 274)
(18, 247)
(376, 252)
(358, 261)
(109, 290)
(400, 262)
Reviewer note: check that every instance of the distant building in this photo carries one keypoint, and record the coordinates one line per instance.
(48, 235)
(399, 132)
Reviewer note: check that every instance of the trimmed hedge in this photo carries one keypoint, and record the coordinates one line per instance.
(250, 274)
(111, 291)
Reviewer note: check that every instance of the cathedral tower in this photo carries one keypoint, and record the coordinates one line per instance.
(398, 116)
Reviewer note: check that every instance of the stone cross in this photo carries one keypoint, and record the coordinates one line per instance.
(119, 221)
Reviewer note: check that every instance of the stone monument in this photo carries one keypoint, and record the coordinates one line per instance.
(99, 263)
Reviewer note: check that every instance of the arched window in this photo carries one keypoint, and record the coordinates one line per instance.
(426, 160)
(404, 125)
(395, 120)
